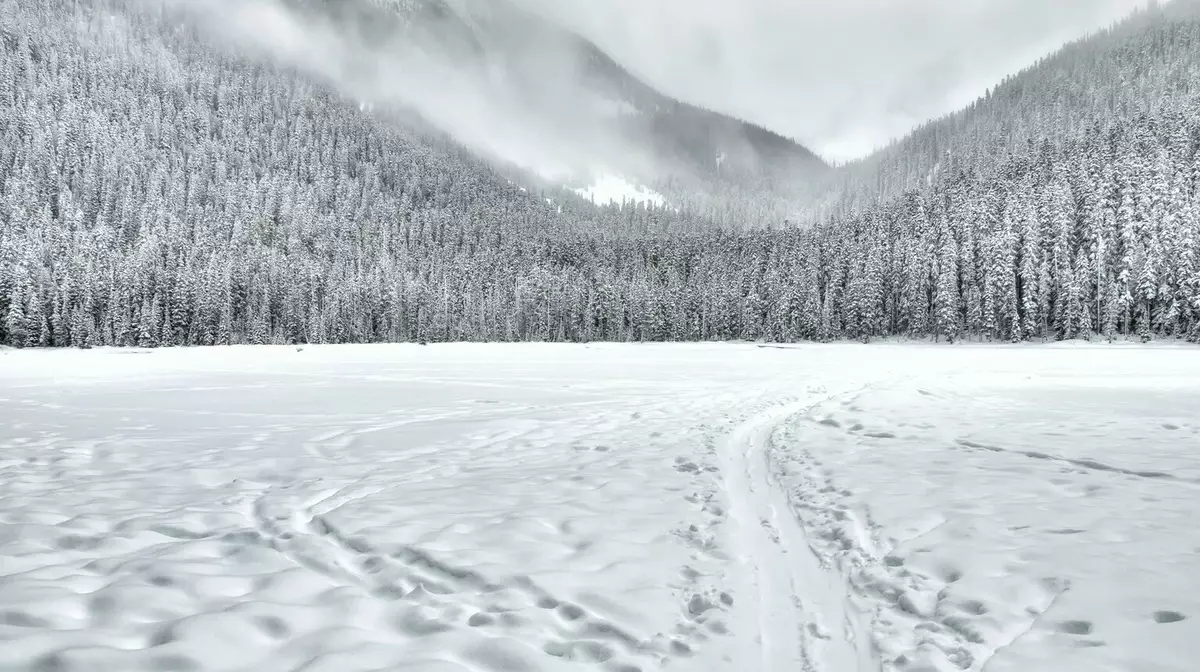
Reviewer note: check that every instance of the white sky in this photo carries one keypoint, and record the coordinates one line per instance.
(842, 76)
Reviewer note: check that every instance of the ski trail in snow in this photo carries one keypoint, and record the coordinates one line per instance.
(801, 611)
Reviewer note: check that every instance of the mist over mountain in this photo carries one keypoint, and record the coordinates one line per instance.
(1120, 77)
(516, 87)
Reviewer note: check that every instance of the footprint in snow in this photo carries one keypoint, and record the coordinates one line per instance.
(1075, 627)
(1168, 616)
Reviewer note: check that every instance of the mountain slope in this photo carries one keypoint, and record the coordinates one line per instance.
(1142, 65)
(158, 190)
(566, 81)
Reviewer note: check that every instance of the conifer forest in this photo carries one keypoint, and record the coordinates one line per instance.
(158, 191)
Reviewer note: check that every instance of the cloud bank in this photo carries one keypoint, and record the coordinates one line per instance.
(481, 104)
(841, 76)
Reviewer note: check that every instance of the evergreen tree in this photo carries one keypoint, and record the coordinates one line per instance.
(16, 322)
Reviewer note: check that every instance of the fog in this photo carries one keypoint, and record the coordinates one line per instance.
(529, 110)
(841, 76)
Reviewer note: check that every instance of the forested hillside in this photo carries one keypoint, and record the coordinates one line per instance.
(154, 191)
(1146, 63)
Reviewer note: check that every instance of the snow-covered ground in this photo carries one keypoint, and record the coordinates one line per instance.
(612, 189)
(601, 507)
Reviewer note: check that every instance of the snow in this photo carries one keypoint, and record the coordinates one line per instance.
(608, 189)
(600, 507)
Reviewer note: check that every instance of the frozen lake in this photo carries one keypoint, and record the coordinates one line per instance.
(520, 508)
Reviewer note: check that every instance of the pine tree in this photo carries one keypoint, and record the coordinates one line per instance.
(1031, 275)
(947, 298)
(37, 330)
(15, 322)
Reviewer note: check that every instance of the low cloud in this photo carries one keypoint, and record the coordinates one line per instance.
(466, 98)
(842, 76)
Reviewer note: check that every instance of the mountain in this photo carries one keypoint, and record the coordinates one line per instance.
(564, 82)
(1139, 67)
(1064, 203)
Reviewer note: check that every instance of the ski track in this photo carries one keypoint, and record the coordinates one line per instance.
(829, 592)
(1082, 463)
(803, 618)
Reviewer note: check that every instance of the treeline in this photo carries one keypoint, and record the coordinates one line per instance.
(154, 196)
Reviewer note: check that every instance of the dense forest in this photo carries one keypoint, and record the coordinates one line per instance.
(155, 191)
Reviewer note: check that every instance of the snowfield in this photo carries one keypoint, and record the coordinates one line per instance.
(608, 189)
(528, 508)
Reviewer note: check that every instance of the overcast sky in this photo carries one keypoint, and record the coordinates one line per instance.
(842, 76)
